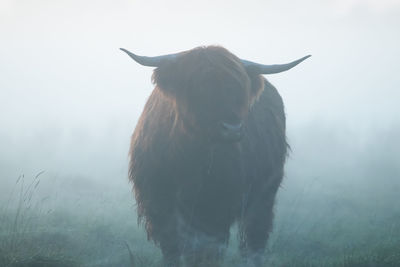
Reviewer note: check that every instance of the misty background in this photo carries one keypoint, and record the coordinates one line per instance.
(70, 99)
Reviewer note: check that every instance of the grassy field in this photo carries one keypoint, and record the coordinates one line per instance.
(42, 225)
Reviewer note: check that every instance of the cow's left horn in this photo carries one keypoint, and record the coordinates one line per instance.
(150, 61)
(270, 69)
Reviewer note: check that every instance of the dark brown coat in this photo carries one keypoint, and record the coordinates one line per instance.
(191, 187)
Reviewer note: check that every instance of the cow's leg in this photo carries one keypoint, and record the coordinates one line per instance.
(256, 221)
(208, 254)
(155, 197)
(255, 232)
(203, 250)
(171, 254)
(164, 232)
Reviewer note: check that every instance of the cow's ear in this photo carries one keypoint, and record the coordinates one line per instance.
(257, 86)
(166, 78)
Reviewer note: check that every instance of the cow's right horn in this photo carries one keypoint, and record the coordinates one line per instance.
(270, 69)
(150, 61)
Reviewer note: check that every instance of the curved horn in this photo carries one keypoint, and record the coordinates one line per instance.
(150, 61)
(270, 69)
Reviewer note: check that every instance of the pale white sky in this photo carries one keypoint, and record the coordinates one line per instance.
(66, 88)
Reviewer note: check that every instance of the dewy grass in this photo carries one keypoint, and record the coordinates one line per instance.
(21, 224)
(95, 227)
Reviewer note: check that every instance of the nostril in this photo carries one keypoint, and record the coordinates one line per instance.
(231, 127)
(225, 125)
(231, 132)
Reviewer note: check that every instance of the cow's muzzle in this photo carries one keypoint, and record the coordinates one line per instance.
(231, 132)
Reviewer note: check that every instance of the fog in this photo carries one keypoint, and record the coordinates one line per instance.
(70, 99)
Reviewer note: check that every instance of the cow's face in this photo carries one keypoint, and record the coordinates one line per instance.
(212, 92)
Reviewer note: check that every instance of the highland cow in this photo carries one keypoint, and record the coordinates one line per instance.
(208, 151)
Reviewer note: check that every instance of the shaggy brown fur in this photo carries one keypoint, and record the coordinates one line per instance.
(190, 187)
